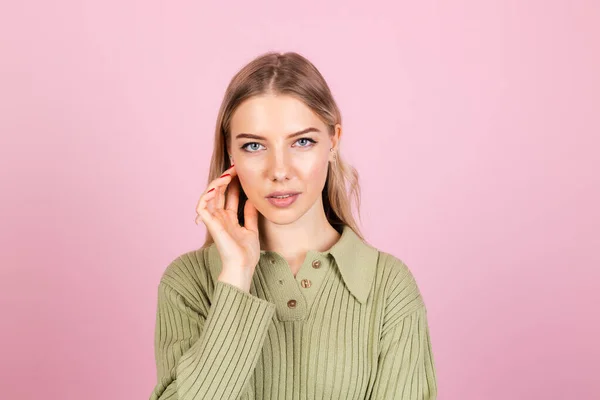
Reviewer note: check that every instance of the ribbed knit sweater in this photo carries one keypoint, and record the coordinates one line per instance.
(351, 324)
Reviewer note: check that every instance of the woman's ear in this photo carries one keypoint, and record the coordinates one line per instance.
(335, 141)
(337, 134)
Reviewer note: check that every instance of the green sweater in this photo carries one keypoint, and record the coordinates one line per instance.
(351, 324)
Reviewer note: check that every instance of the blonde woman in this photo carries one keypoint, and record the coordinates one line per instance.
(285, 299)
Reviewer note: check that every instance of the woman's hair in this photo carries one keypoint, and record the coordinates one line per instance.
(294, 75)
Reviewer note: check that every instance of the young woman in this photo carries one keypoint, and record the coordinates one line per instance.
(285, 299)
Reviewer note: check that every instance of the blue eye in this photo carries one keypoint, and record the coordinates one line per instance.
(245, 147)
(248, 144)
(309, 139)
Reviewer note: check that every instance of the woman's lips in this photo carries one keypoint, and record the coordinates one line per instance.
(285, 202)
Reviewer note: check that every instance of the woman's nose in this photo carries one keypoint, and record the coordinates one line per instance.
(279, 166)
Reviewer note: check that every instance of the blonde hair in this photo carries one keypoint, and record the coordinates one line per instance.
(290, 74)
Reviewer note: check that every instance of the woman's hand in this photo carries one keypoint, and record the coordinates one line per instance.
(238, 246)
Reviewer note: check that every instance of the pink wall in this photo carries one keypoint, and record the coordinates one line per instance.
(474, 125)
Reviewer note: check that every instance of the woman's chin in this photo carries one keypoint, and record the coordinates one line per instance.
(279, 215)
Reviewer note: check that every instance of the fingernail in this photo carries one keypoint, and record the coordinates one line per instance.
(225, 175)
(210, 190)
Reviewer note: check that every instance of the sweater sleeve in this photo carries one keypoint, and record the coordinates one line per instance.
(208, 352)
(406, 367)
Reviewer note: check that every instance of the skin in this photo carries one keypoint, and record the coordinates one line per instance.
(277, 162)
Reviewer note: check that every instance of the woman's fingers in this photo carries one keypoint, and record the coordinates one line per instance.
(217, 187)
(219, 196)
(207, 200)
(220, 199)
(213, 198)
(233, 195)
(231, 170)
(202, 206)
(250, 216)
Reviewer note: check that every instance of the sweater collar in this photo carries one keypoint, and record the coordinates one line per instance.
(355, 259)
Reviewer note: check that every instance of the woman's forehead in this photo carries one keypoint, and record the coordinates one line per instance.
(273, 116)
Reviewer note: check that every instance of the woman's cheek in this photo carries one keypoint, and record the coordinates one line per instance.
(247, 182)
(315, 174)
(319, 167)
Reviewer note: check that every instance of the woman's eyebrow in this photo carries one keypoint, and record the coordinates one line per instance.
(291, 135)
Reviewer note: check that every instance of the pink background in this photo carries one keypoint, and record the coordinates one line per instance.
(474, 125)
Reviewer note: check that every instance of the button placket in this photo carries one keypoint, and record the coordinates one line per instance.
(312, 275)
(287, 296)
(294, 295)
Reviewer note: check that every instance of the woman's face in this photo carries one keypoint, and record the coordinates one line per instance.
(268, 159)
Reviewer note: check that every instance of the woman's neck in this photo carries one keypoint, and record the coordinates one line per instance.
(293, 241)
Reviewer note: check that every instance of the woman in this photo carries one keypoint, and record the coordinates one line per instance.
(286, 300)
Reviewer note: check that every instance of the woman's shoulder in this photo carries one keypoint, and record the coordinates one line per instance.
(392, 266)
(398, 283)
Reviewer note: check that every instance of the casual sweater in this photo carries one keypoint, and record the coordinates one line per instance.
(351, 324)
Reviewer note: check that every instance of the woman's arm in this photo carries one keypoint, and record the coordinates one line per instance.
(208, 352)
(406, 367)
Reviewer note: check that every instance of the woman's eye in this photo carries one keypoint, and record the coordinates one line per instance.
(253, 147)
(308, 139)
(245, 147)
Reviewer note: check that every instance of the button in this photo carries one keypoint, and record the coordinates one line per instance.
(292, 304)
(305, 283)
(316, 264)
